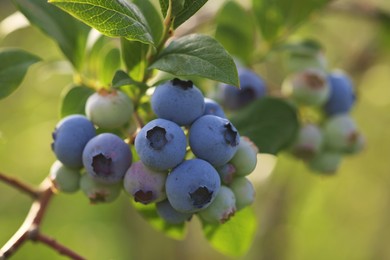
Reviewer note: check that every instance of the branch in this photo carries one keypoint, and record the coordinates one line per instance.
(29, 230)
(19, 185)
(61, 249)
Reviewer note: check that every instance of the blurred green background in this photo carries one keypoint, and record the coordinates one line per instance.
(302, 215)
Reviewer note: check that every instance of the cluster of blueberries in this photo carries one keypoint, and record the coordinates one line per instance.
(323, 141)
(192, 159)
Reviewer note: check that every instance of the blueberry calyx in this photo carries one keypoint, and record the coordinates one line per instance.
(157, 137)
(315, 82)
(143, 196)
(184, 84)
(101, 164)
(201, 196)
(230, 135)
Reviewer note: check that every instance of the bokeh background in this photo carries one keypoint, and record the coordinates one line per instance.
(302, 215)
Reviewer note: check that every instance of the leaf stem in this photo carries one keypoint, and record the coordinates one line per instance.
(19, 185)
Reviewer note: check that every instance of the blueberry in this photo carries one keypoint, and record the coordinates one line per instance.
(341, 133)
(98, 192)
(178, 101)
(145, 185)
(109, 109)
(214, 139)
(252, 87)
(69, 139)
(326, 162)
(245, 159)
(170, 215)
(192, 186)
(342, 95)
(106, 158)
(213, 108)
(161, 144)
(308, 142)
(221, 209)
(64, 179)
(243, 191)
(308, 87)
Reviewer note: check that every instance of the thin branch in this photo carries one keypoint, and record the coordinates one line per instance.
(19, 185)
(61, 249)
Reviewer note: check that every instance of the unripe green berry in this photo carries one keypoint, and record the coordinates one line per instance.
(109, 109)
(243, 191)
(326, 162)
(308, 143)
(64, 179)
(341, 133)
(221, 209)
(245, 159)
(99, 192)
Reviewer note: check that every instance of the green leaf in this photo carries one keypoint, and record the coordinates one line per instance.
(13, 67)
(276, 18)
(149, 213)
(74, 99)
(112, 62)
(70, 34)
(241, 27)
(197, 55)
(121, 79)
(134, 56)
(271, 123)
(153, 18)
(115, 18)
(234, 237)
(177, 6)
(189, 9)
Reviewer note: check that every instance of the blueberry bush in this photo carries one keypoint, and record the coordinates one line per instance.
(177, 111)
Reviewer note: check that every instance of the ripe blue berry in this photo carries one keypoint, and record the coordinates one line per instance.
(308, 143)
(308, 87)
(213, 108)
(178, 101)
(222, 208)
(342, 95)
(214, 139)
(109, 109)
(161, 144)
(69, 139)
(170, 215)
(106, 158)
(192, 185)
(243, 191)
(98, 192)
(144, 184)
(252, 87)
(64, 179)
(245, 159)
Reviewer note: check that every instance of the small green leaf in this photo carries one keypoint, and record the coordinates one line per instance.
(197, 55)
(115, 18)
(13, 67)
(149, 213)
(112, 62)
(271, 123)
(74, 99)
(134, 56)
(234, 237)
(153, 17)
(241, 27)
(70, 34)
(121, 79)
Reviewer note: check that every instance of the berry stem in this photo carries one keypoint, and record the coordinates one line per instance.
(19, 185)
(29, 230)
